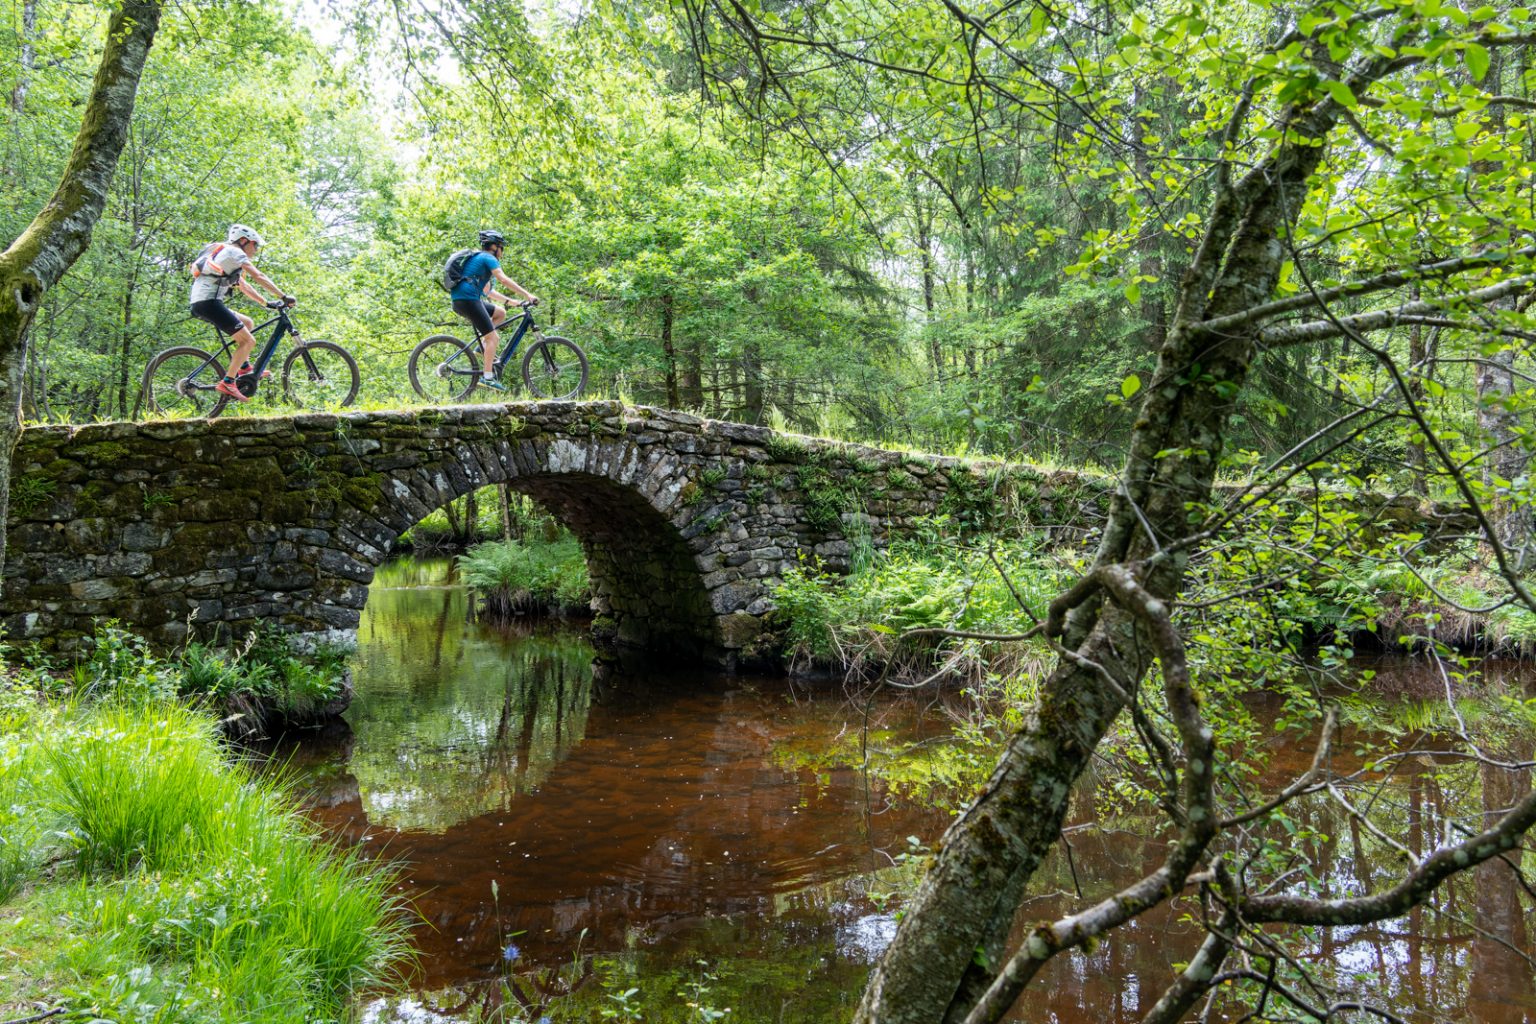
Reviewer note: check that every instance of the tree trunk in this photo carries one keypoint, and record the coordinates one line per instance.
(959, 919)
(1418, 455)
(125, 351)
(671, 352)
(471, 516)
(61, 231)
(692, 390)
(505, 493)
(28, 56)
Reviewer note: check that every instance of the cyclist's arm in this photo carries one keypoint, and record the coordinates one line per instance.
(501, 276)
(249, 292)
(264, 281)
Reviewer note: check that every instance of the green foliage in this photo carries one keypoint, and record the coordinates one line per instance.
(193, 892)
(513, 577)
(264, 676)
(29, 493)
(936, 582)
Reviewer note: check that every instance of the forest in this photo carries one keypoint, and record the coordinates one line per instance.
(1265, 270)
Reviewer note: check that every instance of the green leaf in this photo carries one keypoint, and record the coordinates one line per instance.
(1477, 61)
(1133, 292)
(1130, 385)
(1342, 94)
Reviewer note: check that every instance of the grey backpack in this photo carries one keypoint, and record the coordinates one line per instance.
(453, 270)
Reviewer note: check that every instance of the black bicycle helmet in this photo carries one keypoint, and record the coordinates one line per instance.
(489, 237)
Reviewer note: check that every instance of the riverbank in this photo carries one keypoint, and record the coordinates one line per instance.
(145, 876)
(960, 606)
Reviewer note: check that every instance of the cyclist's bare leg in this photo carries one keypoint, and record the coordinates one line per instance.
(490, 341)
(244, 341)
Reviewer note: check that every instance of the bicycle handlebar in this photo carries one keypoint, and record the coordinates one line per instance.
(286, 302)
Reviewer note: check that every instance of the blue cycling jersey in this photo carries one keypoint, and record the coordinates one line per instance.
(477, 274)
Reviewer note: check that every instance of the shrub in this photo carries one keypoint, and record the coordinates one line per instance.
(513, 577)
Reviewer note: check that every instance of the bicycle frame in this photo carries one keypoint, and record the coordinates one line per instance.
(220, 358)
(508, 349)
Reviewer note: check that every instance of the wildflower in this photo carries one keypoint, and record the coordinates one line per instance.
(511, 953)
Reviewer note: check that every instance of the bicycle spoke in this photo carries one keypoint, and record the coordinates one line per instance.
(320, 375)
(442, 370)
(555, 368)
(179, 382)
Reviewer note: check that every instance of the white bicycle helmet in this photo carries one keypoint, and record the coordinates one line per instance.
(240, 233)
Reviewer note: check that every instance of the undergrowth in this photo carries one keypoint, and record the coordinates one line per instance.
(177, 887)
(533, 575)
(262, 680)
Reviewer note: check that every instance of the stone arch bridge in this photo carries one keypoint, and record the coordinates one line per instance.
(686, 523)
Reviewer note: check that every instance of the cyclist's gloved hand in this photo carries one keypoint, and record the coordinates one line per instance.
(274, 303)
(532, 300)
(290, 301)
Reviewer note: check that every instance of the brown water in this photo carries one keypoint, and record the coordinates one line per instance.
(711, 840)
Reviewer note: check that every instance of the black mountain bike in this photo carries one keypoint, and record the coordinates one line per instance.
(444, 369)
(316, 375)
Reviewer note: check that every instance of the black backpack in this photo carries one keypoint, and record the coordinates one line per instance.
(453, 270)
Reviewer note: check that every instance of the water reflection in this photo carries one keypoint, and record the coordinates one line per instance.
(659, 816)
(636, 806)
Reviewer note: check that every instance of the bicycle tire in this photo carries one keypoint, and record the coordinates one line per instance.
(320, 375)
(561, 371)
(436, 376)
(169, 385)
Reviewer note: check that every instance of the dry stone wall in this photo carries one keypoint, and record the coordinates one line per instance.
(178, 526)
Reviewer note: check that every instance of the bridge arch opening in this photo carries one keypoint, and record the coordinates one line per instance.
(645, 577)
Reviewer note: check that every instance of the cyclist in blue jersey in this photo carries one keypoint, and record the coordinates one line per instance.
(472, 299)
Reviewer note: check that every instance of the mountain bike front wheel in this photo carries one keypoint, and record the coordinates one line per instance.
(443, 370)
(555, 368)
(179, 382)
(320, 375)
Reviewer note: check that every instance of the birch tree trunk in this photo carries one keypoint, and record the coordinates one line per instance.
(28, 56)
(59, 233)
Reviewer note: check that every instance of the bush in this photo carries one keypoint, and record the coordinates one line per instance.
(855, 621)
(513, 577)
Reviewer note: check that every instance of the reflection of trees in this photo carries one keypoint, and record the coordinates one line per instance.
(452, 721)
(1500, 986)
(1462, 956)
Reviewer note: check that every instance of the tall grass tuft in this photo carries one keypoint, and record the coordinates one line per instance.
(197, 867)
(514, 577)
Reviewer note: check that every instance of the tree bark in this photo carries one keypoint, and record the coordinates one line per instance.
(28, 56)
(504, 492)
(57, 236)
(668, 348)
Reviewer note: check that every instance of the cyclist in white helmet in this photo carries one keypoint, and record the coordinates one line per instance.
(218, 269)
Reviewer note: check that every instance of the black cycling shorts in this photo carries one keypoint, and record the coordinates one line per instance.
(218, 314)
(477, 312)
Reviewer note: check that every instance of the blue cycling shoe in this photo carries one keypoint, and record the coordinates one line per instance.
(493, 384)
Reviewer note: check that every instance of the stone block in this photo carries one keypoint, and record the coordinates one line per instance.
(739, 629)
(734, 597)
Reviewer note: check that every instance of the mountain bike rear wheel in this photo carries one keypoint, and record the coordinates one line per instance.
(443, 371)
(555, 368)
(179, 382)
(320, 375)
